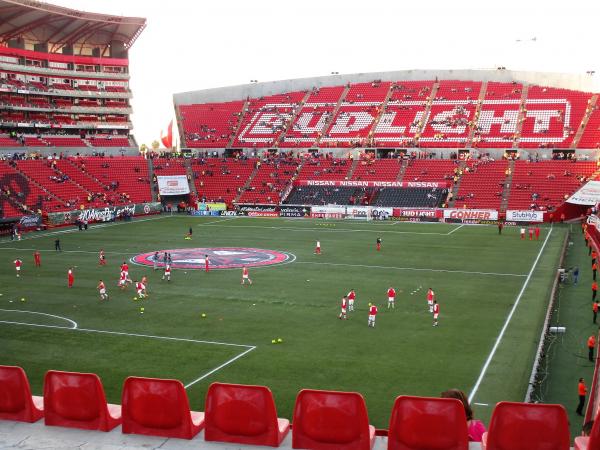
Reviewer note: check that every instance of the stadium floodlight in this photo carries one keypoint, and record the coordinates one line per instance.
(335, 73)
(253, 81)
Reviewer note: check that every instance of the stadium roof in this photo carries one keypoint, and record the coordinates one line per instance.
(39, 22)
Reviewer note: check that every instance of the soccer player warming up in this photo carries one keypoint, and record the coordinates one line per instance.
(125, 270)
(351, 297)
(430, 298)
(372, 315)
(18, 264)
(37, 258)
(70, 277)
(246, 275)
(102, 290)
(101, 258)
(167, 273)
(391, 293)
(343, 315)
(122, 280)
(436, 313)
(378, 244)
(318, 248)
(141, 289)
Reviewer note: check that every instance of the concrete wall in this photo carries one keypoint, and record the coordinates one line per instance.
(580, 82)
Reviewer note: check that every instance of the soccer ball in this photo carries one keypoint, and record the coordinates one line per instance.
(273, 341)
(203, 316)
(23, 299)
(134, 298)
(370, 304)
(142, 309)
(279, 341)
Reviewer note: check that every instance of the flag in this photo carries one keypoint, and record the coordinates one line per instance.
(168, 139)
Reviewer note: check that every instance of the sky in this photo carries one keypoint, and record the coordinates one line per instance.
(191, 45)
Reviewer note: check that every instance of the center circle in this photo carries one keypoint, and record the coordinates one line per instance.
(219, 258)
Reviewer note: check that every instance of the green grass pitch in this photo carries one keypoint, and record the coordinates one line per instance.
(477, 275)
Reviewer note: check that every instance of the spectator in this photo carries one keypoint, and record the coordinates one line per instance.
(475, 428)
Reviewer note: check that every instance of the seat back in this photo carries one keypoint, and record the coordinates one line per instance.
(431, 423)
(330, 419)
(15, 396)
(240, 413)
(594, 441)
(526, 426)
(75, 400)
(156, 407)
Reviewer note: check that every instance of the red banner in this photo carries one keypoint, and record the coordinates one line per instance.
(358, 183)
(413, 212)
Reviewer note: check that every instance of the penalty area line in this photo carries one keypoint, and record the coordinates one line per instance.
(507, 322)
(248, 348)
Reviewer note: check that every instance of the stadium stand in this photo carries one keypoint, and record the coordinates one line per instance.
(406, 112)
(377, 170)
(483, 185)
(269, 181)
(410, 197)
(221, 179)
(319, 195)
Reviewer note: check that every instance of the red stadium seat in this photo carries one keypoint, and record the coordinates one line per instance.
(591, 442)
(431, 423)
(76, 400)
(243, 415)
(328, 420)
(526, 426)
(16, 401)
(156, 407)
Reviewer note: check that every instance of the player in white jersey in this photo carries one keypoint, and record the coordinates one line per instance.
(167, 273)
(102, 290)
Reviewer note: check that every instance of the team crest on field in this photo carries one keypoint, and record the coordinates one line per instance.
(219, 257)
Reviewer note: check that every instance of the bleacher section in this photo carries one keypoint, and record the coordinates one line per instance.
(377, 170)
(325, 169)
(319, 195)
(411, 197)
(482, 186)
(269, 182)
(218, 179)
(538, 185)
(411, 117)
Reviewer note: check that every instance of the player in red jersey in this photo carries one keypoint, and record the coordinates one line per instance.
(530, 229)
(167, 273)
(391, 293)
(246, 275)
(430, 299)
(206, 263)
(125, 270)
(70, 277)
(436, 313)
(102, 290)
(343, 315)
(378, 244)
(537, 232)
(351, 297)
(122, 280)
(18, 264)
(318, 248)
(101, 258)
(372, 315)
(37, 258)
(141, 289)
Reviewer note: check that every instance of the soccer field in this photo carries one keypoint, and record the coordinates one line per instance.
(492, 290)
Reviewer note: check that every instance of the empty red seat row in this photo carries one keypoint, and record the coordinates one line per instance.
(322, 420)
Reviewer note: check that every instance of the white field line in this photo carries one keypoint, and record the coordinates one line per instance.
(325, 230)
(507, 322)
(248, 348)
(217, 221)
(226, 363)
(456, 229)
(91, 228)
(416, 269)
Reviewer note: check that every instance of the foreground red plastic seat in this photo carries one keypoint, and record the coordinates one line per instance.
(157, 407)
(591, 442)
(431, 423)
(329, 420)
(244, 415)
(527, 426)
(16, 401)
(77, 400)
